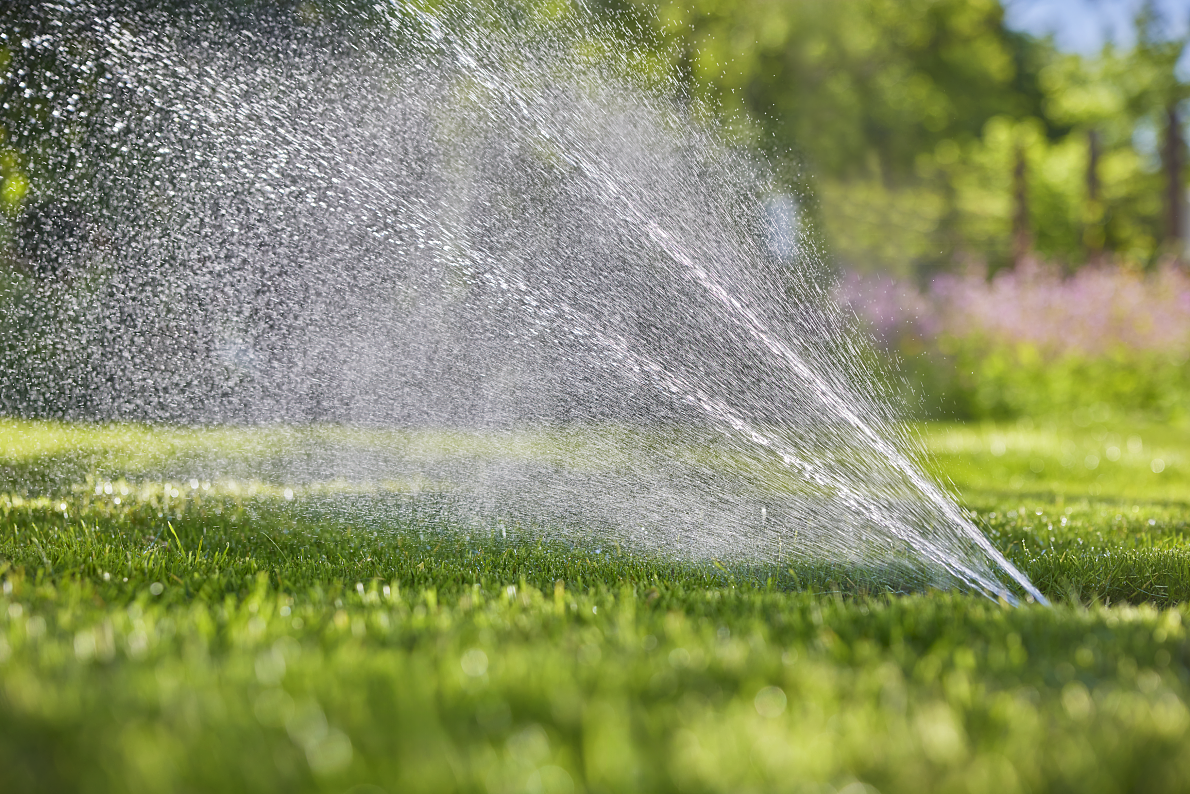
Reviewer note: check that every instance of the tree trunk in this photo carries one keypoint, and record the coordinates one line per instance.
(1172, 157)
(1093, 232)
(1022, 236)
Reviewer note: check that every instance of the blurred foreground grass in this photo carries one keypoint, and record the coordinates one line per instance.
(185, 638)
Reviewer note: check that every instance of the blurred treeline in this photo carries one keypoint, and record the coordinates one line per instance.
(918, 133)
(1011, 219)
(920, 137)
(930, 134)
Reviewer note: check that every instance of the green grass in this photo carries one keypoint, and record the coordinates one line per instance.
(231, 639)
(1053, 462)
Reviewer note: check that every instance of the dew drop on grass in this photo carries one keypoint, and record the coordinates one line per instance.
(474, 662)
(770, 702)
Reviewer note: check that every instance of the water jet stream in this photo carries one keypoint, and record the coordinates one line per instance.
(743, 317)
(441, 223)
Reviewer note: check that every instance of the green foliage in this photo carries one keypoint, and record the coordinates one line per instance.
(909, 116)
(900, 121)
(220, 640)
(838, 79)
(1032, 342)
(862, 93)
(1001, 381)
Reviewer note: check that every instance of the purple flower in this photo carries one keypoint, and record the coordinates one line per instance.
(1096, 312)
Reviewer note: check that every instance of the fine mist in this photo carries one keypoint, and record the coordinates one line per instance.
(477, 243)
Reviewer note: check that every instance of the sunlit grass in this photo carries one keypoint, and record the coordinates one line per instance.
(1150, 462)
(56, 456)
(245, 634)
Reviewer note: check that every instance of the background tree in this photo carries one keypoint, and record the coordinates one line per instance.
(898, 121)
(877, 97)
(906, 118)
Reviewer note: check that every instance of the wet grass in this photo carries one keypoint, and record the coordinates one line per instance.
(239, 638)
(1055, 462)
(1095, 514)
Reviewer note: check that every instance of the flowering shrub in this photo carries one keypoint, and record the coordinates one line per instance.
(1096, 312)
(1031, 341)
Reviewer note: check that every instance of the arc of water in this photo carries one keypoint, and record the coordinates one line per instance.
(744, 318)
(718, 410)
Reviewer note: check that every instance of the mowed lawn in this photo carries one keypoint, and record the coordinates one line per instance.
(180, 635)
